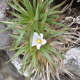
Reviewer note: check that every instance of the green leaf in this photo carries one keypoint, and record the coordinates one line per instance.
(27, 62)
(30, 70)
(27, 35)
(24, 61)
(21, 36)
(16, 19)
(19, 31)
(52, 16)
(13, 43)
(38, 65)
(25, 40)
(16, 15)
(34, 57)
(19, 39)
(41, 16)
(17, 4)
(20, 51)
(31, 37)
(48, 50)
(49, 19)
(14, 36)
(28, 7)
(17, 23)
(56, 34)
(22, 16)
(54, 12)
(48, 29)
(13, 49)
(43, 23)
(53, 50)
(42, 6)
(57, 6)
(46, 33)
(51, 31)
(45, 54)
(16, 8)
(60, 24)
(36, 16)
(17, 48)
(35, 25)
(34, 6)
(46, 5)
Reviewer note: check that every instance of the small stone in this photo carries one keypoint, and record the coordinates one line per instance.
(2, 15)
(78, 19)
(69, 19)
(72, 61)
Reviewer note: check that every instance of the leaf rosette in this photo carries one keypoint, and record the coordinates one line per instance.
(33, 33)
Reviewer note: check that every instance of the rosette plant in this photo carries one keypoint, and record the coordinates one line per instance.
(33, 35)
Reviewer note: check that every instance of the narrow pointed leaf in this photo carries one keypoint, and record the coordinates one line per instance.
(38, 65)
(36, 16)
(21, 36)
(36, 27)
(28, 7)
(42, 6)
(57, 6)
(60, 24)
(54, 12)
(16, 8)
(24, 61)
(43, 23)
(53, 50)
(31, 37)
(34, 57)
(56, 34)
(20, 51)
(17, 4)
(45, 6)
(45, 54)
(13, 25)
(34, 5)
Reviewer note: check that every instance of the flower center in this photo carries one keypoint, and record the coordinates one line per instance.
(39, 41)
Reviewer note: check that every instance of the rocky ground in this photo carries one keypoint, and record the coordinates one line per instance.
(8, 71)
(11, 72)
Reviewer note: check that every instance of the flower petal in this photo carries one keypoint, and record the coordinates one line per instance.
(38, 46)
(34, 41)
(41, 35)
(35, 38)
(33, 44)
(36, 35)
(44, 41)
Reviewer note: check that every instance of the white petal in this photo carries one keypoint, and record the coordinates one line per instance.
(41, 35)
(33, 44)
(35, 37)
(35, 33)
(38, 46)
(44, 41)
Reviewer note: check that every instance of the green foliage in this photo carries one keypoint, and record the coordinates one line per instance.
(33, 17)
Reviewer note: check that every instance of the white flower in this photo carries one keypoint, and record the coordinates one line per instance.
(38, 40)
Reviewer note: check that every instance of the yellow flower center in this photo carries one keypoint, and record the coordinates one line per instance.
(39, 41)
